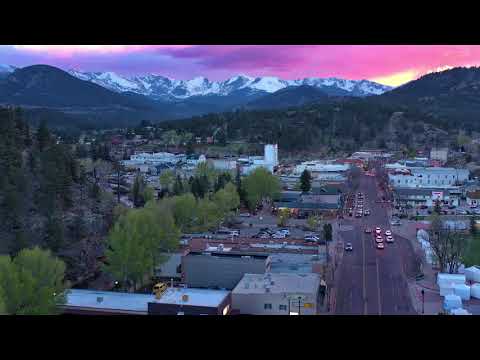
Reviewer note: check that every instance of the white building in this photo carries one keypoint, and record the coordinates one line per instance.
(320, 166)
(440, 154)
(269, 160)
(431, 177)
(153, 159)
(277, 294)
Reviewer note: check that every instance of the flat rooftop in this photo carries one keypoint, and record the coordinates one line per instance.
(278, 284)
(138, 303)
(195, 297)
(109, 300)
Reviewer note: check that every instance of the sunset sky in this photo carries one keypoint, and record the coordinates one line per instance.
(387, 64)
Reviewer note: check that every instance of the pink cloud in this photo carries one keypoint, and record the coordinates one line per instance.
(388, 63)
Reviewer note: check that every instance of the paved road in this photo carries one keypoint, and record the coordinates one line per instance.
(371, 281)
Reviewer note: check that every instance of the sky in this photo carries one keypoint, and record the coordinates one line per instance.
(387, 64)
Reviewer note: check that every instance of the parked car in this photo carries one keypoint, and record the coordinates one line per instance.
(279, 235)
(390, 239)
(378, 239)
(285, 231)
(388, 233)
(395, 222)
(348, 247)
(368, 230)
(311, 238)
(380, 246)
(245, 215)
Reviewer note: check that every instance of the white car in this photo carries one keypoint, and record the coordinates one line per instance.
(378, 230)
(311, 238)
(380, 246)
(378, 239)
(388, 233)
(285, 231)
(389, 239)
(279, 235)
(245, 215)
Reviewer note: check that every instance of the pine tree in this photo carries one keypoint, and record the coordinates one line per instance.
(43, 136)
(305, 181)
(178, 186)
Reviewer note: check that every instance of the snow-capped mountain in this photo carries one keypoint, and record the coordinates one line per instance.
(160, 87)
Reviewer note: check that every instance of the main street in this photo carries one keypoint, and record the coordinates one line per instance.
(372, 281)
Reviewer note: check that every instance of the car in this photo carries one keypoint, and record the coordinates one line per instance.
(380, 246)
(264, 236)
(285, 231)
(245, 215)
(378, 239)
(378, 230)
(350, 213)
(451, 207)
(473, 206)
(366, 212)
(395, 222)
(279, 235)
(311, 238)
(368, 230)
(388, 233)
(389, 239)
(358, 214)
(348, 247)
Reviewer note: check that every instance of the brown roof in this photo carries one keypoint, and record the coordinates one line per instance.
(474, 194)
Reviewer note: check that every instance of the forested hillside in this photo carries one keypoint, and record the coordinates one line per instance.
(46, 197)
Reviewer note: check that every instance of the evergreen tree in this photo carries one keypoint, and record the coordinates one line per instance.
(43, 136)
(54, 232)
(305, 181)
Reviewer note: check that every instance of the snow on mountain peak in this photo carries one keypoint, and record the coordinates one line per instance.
(158, 86)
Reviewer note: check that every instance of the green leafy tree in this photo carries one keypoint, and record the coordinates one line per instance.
(184, 210)
(209, 216)
(306, 181)
(282, 217)
(227, 199)
(33, 283)
(166, 179)
(260, 185)
(312, 222)
(135, 244)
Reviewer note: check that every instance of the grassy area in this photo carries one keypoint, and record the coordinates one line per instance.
(472, 256)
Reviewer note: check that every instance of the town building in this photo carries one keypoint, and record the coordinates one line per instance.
(277, 294)
(473, 198)
(424, 196)
(173, 301)
(431, 177)
(220, 269)
(440, 154)
(268, 161)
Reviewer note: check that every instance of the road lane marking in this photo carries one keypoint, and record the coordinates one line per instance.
(378, 290)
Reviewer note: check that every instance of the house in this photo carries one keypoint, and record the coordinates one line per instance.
(277, 294)
(220, 269)
(473, 198)
(173, 301)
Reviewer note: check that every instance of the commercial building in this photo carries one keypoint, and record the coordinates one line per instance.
(424, 196)
(268, 161)
(277, 294)
(321, 167)
(174, 301)
(220, 269)
(431, 177)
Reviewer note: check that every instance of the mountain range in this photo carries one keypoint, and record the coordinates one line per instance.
(109, 98)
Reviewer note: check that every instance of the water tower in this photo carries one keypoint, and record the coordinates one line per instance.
(271, 154)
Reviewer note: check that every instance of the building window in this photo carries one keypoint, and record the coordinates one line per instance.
(267, 306)
(282, 307)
